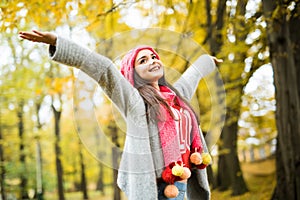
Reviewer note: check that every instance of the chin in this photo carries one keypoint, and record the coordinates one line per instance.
(159, 77)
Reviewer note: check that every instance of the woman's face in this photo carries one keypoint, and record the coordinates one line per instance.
(148, 67)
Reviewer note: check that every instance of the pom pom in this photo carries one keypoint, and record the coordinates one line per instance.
(186, 173)
(171, 191)
(196, 158)
(167, 176)
(177, 170)
(172, 164)
(206, 158)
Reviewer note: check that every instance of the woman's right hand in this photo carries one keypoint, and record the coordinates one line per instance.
(37, 36)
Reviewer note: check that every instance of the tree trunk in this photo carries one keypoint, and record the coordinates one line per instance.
(215, 41)
(59, 167)
(241, 31)
(83, 176)
(22, 158)
(100, 184)
(2, 166)
(115, 159)
(229, 172)
(230, 166)
(284, 43)
(223, 178)
(39, 171)
(39, 160)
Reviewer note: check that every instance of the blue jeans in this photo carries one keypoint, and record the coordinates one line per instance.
(181, 188)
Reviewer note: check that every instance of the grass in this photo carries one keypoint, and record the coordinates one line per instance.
(259, 177)
(92, 194)
(260, 188)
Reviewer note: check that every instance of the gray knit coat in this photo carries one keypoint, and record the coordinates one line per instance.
(142, 160)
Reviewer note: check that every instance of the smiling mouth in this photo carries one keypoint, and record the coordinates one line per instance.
(155, 68)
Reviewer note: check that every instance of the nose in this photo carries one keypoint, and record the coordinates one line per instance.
(151, 61)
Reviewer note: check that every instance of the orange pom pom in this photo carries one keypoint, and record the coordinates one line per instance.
(196, 158)
(186, 173)
(171, 191)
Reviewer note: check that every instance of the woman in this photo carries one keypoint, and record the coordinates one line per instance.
(162, 130)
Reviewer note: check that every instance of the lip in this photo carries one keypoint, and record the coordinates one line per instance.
(154, 68)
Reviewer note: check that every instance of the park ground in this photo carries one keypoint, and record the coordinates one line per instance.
(259, 177)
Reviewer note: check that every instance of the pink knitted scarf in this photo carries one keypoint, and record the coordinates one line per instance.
(167, 130)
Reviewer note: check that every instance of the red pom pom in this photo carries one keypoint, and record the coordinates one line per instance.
(167, 176)
(172, 164)
(179, 162)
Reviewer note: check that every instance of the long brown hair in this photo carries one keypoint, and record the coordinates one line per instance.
(153, 100)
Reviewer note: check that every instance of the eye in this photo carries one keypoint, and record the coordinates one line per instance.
(142, 61)
(154, 57)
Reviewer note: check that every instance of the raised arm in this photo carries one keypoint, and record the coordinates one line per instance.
(189, 80)
(97, 66)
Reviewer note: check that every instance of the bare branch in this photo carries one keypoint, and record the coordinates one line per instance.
(115, 7)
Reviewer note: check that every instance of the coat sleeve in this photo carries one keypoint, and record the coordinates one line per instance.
(188, 82)
(100, 68)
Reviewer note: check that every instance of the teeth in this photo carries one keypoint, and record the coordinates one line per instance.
(154, 69)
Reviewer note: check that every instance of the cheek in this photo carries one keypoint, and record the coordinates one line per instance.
(160, 62)
(141, 68)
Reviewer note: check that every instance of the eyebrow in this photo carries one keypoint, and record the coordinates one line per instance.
(144, 57)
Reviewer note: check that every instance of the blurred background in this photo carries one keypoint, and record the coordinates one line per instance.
(53, 119)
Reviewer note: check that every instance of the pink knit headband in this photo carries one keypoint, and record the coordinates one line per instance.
(127, 64)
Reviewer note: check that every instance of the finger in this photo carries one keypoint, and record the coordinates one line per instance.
(38, 33)
(219, 60)
(24, 37)
(25, 32)
(28, 34)
(29, 37)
